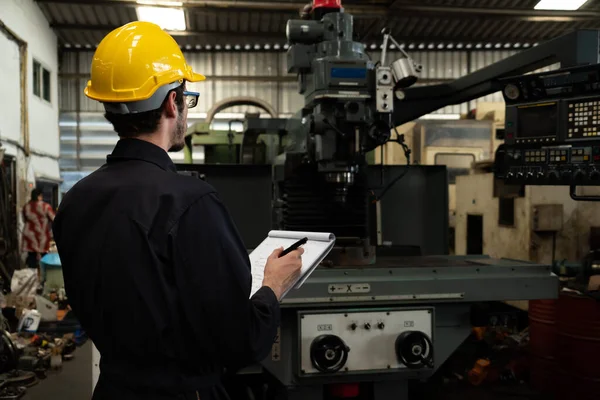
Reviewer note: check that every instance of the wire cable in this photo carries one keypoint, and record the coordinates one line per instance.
(407, 151)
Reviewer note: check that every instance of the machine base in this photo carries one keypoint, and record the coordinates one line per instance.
(393, 390)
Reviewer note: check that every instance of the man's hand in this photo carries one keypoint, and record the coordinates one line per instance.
(280, 273)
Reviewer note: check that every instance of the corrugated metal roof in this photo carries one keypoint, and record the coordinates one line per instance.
(83, 23)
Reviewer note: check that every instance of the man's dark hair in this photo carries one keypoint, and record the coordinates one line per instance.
(35, 193)
(132, 125)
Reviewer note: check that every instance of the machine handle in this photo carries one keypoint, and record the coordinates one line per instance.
(575, 197)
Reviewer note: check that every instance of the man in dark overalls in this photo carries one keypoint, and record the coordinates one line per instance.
(154, 267)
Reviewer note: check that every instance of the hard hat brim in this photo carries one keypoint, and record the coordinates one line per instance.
(195, 77)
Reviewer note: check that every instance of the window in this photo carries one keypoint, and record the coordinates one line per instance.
(36, 78)
(46, 84)
(41, 81)
(506, 211)
(474, 234)
(456, 163)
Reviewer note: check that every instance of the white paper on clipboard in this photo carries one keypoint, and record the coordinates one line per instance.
(317, 247)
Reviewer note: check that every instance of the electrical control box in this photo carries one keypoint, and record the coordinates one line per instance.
(365, 341)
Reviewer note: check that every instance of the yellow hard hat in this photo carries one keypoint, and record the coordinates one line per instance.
(132, 63)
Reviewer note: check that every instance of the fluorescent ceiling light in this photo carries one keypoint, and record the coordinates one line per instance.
(170, 19)
(566, 5)
(160, 3)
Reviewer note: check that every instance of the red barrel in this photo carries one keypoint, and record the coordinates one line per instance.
(542, 344)
(578, 352)
(572, 386)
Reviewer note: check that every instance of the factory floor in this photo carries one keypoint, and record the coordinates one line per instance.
(521, 392)
(73, 381)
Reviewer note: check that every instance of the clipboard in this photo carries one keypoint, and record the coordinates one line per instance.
(317, 247)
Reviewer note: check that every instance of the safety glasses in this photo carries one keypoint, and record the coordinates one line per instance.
(191, 98)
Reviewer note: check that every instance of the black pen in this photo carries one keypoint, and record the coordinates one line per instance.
(294, 247)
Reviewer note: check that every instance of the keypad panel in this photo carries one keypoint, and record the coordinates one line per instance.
(581, 155)
(535, 156)
(583, 119)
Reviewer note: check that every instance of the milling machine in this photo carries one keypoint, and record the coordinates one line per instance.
(388, 305)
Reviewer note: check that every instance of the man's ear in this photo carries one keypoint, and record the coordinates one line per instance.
(171, 106)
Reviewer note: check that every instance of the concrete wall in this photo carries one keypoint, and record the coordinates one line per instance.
(10, 120)
(572, 242)
(475, 196)
(25, 19)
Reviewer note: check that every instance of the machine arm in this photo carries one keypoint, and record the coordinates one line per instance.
(576, 48)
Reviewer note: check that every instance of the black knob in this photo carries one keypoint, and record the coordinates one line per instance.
(367, 326)
(529, 176)
(553, 176)
(540, 175)
(520, 175)
(594, 174)
(381, 325)
(579, 175)
(565, 175)
(414, 349)
(353, 326)
(328, 353)
(510, 175)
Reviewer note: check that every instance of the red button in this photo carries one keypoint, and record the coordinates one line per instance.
(327, 3)
(345, 390)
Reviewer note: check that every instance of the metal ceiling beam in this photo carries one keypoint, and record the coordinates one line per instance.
(499, 13)
(369, 10)
(371, 29)
(208, 37)
(219, 5)
(207, 34)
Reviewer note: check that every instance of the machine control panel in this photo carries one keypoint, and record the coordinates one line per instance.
(553, 165)
(583, 119)
(552, 134)
(353, 341)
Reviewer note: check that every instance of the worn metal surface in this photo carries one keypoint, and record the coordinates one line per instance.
(453, 279)
(474, 279)
(547, 217)
(475, 196)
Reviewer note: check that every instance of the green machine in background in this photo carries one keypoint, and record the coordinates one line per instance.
(260, 141)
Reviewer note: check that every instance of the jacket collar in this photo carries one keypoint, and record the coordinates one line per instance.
(136, 149)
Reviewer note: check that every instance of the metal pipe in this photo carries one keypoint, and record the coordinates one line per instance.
(239, 101)
(108, 28)
(222, 78)
(256, 5)
(23, 82)
(78, 112)
(241, 78)
(34, 152)
(368, 10)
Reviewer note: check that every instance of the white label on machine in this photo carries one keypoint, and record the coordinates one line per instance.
(370, 336)
(336, 288)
